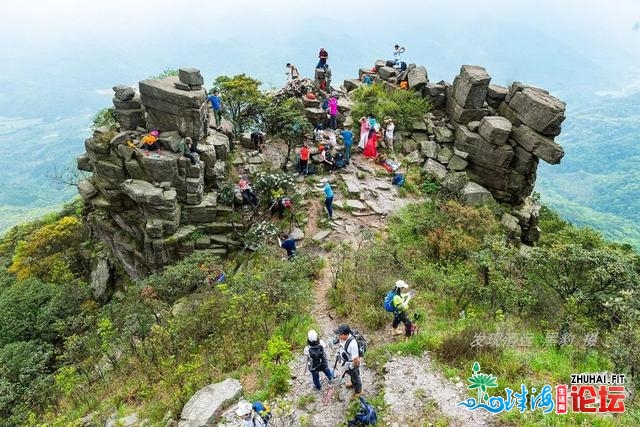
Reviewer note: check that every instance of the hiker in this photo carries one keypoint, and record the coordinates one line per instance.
(364, 132)
(289, 244)
(318, 133)
(397, 52)
(389, 128)
(184, 147)
(150, 140)
(315, 351)
(248, 416)
(248, 196)
(216, 104)
(347, 138)
(257, 139)
(333, 112)
(323, 55)
(328, 192)
(304, 159)
(400, 303)
(327, 77)
(327, 159)
(367, 79)
(279, 205)
(332, 138)
(292, 72)
(371, 149)
(349, 354)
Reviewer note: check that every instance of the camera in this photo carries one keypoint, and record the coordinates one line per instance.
(335, 341)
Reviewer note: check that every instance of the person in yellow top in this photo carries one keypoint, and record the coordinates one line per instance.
(150, 140)
(400, 304)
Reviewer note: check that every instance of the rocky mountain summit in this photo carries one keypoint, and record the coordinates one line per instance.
(482, 141)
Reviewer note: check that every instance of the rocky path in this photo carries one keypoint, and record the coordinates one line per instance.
(415, 392)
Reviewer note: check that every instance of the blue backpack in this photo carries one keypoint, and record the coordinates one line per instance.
(263, 410)
(388, 301)
(398, 179)
(365, 416)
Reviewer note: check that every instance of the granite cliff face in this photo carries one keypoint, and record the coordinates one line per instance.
(152, 209)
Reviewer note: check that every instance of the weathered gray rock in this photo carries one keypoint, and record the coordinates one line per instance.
(470, 86)
(462, 115)
(170, 141)
(100, 279)
(435, 93)
(445, 155)
(435, 168)
(86, 189)
(511, 225)
(417, 78)
(541, 146)
(473, 126)
(315, 114)
(539, 110)
(457, 164)
(321, 235)
(296, 233)
(83, 163)
(190, 76)
(443, 134)
(495, 129)
(429, 149)
(351, 84)
(475, 195)
(496, 94)
(414, 158)
(204, 407)
(355, 205)
(409, 145)
(386, 72)
(124, 93)
(131, 104)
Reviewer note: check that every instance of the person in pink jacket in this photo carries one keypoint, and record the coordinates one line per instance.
(364, 132)
(333, 112)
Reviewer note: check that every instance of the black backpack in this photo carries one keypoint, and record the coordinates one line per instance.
(362, 342)
(340, 162)
(317, 357)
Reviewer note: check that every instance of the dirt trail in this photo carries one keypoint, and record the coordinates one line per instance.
(415, 392)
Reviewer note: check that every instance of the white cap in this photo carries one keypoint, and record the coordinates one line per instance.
(401, 284)
(312, 335)
(324, 180)
(244, 408)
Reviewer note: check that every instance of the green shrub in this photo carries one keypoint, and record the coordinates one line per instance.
(105, 118)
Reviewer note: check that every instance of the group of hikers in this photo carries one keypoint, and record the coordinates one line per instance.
(351, 348)
(151, 143)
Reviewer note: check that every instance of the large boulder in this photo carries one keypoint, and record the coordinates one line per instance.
(190, 76)
(470, 86)
(417, 78)
(496, 94)
(460, 114)
(432, 167)
(475, 195)
(495, 129)
(541, 146)
(386, 72)
(124, 93)
(204, 407)
(538, 109)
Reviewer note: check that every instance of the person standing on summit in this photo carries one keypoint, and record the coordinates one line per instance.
(323, 55)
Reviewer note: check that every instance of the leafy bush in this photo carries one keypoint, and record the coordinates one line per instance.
(242, 101)
(168, 72)
(403, 106)
(105, 118)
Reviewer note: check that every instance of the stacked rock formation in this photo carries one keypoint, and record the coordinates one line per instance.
(177, 103)
(129, 112)
(154, 208)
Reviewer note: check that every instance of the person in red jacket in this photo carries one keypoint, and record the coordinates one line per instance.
(304, 159)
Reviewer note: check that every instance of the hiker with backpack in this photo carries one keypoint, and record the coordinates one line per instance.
(397, 302)
(288, 243)
(349, 354)
(315, 351)
(254, 414)
(347, 139)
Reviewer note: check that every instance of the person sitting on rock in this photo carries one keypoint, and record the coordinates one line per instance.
(150, 140)
(184, 147)
(248, 196)
(318, 134)
(257, 139)
(289, 244)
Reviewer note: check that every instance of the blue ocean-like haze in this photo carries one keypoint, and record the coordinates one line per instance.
(51, 84)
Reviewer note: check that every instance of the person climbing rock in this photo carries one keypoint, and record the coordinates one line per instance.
(257, 139)
(333, 112)
(400, 303)
(349, 354)
(216, 104)
(315, 351)
(304, 159)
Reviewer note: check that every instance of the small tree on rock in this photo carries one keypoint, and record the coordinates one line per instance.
(242, 100)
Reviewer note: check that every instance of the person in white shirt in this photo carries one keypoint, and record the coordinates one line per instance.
(389, 128)
(292, 72)
(350, 356)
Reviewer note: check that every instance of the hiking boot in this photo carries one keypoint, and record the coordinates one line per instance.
(348, 385)
(355, 396)
(398, 331)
